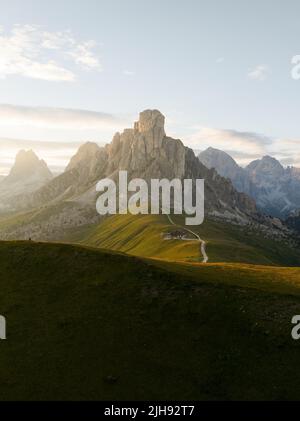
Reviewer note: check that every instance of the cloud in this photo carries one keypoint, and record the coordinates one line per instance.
(287, 151)
(259, 73)
(56, 154)
(83, 55)
(252, 145)
(128, 73)
(246, 146)
(45, 126)
(57, 118)
(31, 52)
(9, 143)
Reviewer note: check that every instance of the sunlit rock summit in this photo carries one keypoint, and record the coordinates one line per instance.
(144, 151)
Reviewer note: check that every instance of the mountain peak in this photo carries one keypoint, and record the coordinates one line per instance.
(266, 165)
(220, 160)
(85, 153)
(226, 166)
(88, 148)
(28, 165)
(27, 175)
(268, 158)
(26, 157)
(150, 120)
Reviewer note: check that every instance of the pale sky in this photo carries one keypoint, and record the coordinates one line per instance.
(219, 70)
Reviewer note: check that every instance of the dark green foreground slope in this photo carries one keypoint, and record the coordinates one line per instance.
(88, 324)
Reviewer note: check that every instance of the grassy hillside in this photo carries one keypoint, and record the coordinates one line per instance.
(88, 324)
(142, 236)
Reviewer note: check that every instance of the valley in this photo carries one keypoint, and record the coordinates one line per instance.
(97, 304)
(141, 235)
(149, 207)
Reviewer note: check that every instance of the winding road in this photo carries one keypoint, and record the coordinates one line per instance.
(202, 242)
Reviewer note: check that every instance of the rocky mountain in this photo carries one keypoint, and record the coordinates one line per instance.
(145, 151)
(28, 174)
(226, 167)
(293, 221)
(275, 189)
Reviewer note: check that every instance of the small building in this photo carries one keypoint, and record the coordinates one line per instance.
(175, 235)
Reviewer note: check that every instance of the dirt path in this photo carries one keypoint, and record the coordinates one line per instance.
(202, 242)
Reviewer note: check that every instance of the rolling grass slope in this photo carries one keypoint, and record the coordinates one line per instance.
(142, 236)
(84, 323)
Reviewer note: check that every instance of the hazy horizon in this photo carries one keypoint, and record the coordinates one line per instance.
(57, 162)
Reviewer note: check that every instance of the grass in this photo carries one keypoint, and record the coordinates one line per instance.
(142, 236)
(230, 243)
(90, 324)
(93, 323)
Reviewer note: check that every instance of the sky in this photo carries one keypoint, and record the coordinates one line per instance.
(73, 71)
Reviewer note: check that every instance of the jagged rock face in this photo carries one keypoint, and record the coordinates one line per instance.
(27, 165)
(221, 198)
(144, 151)
(293, 221)
(88, 162)
(226, 167)
(86, 153)
(275, 189)
(294, 172)
(28, 174)
(265, 170)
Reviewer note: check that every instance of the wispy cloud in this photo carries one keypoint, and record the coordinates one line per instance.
(30, 51)
(56, 154)
(287, 151)
(55, 133)
(128, 72)
(232, 141)
(246, 146)
(61, 118)
(259, 73)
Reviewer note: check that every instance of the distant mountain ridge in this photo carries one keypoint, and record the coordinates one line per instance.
(67, 202)
(145, 151)
(226, 166)
(28, 174)
(275, 189)
(27, 164)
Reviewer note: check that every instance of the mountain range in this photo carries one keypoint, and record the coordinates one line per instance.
(275, 189)
(53, 208)
(120, 307)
